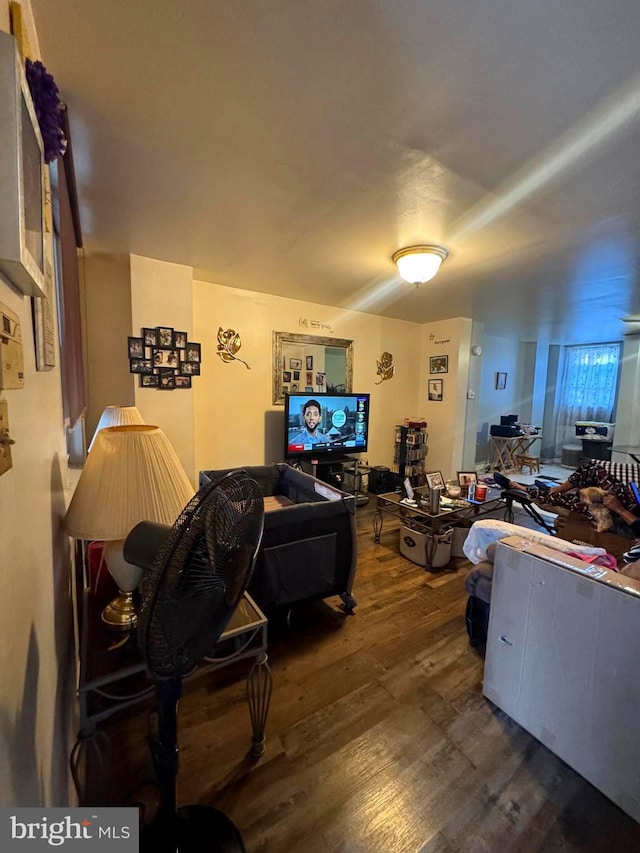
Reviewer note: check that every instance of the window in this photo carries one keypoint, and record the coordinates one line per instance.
(588, 388)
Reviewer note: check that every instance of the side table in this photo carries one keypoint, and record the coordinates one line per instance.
(112, 676)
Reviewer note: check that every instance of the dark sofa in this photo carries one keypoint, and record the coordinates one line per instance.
(309, 545)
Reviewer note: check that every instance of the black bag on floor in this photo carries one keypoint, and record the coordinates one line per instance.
(477, 618)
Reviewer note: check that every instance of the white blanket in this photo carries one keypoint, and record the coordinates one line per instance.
(483, 533)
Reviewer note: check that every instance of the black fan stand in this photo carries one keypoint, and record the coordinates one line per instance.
(189, 829)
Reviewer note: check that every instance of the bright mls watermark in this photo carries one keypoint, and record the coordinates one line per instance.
(106, 830)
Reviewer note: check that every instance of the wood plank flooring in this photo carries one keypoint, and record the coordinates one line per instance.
(379, 739)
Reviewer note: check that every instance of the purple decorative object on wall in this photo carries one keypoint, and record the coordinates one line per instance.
(49, 109)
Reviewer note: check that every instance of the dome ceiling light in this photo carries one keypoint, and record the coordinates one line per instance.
(418, 264)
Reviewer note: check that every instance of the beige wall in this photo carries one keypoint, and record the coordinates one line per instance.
(107, 288)
(36, 700)
(446, 418)
(162, 295)
(236, 422)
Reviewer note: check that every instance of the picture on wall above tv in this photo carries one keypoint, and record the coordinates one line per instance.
(318, 424)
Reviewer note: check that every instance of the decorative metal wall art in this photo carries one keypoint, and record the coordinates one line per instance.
(228, 345)
(386, 367)
(164, 359)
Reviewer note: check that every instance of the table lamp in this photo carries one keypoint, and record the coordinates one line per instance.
(117, 416)
(132, 474)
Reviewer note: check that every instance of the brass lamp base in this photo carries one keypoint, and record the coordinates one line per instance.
(120, 614)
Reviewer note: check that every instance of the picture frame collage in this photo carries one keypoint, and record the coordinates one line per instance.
(163, 358)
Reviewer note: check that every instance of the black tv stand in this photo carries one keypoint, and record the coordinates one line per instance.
(333, 470)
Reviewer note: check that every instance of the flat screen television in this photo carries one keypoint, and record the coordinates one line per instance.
(320, 424)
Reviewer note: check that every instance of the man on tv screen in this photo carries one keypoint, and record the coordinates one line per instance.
(311, 412)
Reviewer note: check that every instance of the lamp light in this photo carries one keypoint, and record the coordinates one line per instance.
(417, 264)
(132, 474)
(117, 416)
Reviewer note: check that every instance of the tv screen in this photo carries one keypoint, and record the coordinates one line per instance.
(317, 424)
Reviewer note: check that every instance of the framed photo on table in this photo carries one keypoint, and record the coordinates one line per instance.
(435, 480)
(467, 478)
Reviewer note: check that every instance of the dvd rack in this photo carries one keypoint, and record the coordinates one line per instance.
(410, 450)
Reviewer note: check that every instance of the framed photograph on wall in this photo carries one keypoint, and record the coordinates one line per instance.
(136, 348)
(501, 381)
(295, 364)
(180, 340)
(435, 390)
(435, 480)
(165, 337)
(150, 337)
(439, 364)
(309, 362)
(286, 376)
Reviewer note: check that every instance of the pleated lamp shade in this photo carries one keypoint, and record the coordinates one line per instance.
(117, 416)
(132, 474)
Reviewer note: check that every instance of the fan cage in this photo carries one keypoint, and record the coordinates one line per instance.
(200, 574)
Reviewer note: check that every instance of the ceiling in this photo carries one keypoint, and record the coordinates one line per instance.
(291, 147)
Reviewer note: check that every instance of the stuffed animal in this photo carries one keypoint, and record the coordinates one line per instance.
(592, 497)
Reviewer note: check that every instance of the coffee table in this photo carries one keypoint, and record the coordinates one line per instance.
(421, 519)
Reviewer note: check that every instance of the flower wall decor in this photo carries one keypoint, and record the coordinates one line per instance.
(228, 345)
(386, 367)
(49, 109)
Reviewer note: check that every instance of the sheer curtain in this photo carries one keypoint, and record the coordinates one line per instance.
(587, 388)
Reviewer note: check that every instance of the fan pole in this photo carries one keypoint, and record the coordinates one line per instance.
(165, 746)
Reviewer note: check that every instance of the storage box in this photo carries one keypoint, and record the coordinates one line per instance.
(417, 546)
(562, 661)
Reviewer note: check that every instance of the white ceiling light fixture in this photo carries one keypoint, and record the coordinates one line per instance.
(417, 264)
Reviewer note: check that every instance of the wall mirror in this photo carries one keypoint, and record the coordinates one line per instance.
(310, 363)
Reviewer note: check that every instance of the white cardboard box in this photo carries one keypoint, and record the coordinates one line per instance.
(563, 660)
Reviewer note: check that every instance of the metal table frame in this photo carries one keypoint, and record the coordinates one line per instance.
(112, 676)
(420, 519)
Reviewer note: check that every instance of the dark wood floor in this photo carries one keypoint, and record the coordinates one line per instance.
(379, 738)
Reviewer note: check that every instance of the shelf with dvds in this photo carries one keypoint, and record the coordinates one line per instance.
(410, 451)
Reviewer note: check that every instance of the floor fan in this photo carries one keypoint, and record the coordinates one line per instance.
(196, 574)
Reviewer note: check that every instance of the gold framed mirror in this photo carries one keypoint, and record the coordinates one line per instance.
(327, 362)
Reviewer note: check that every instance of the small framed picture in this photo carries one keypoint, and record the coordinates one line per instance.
(308, 389)
(309, 362)
(309, 378)
(285, 389)
(165, 337)
(166, 379)
(435, 480)
(467, 478)
(294, 387)
(435, 390)
(295, 364)
(189, 368)
(321, 379)
(180, 340)
(183, 381)
(150, 337)
(166, 358)
(296, 375)
(193, 351)
(148, 380)
(439, 364)
(136, 347)
(501, 381)
(140, 365)
(286, 376)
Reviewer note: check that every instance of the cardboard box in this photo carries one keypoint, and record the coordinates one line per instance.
(562, 660)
